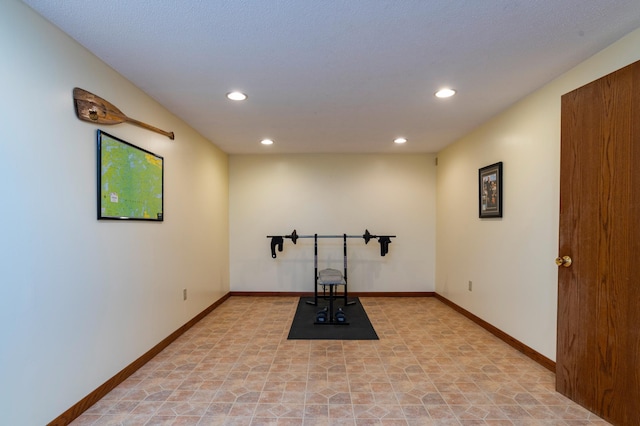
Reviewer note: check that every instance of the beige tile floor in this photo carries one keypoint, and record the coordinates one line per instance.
(431, 366)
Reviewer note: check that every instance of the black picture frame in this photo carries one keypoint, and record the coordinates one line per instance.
(130, 181)
(490, 191)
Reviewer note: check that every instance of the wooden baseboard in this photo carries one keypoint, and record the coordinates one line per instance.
(351, 294)
(531, 353)
(272, 293)
(86, 402)
(393, 294)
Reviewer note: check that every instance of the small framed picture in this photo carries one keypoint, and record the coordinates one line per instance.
(490, 191)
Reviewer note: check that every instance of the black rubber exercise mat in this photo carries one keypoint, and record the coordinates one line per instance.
(303, 327)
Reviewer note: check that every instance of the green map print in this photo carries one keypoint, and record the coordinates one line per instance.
(131, 182)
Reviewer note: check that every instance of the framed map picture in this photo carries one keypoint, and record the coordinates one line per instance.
(130, 181)
(490, 197)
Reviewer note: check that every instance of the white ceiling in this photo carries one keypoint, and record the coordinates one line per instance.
(339, 76)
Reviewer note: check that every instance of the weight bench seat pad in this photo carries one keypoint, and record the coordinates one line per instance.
(330, 276)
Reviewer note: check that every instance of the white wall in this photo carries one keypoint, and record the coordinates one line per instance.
(332, 194)
(82, 299)
(511, 260)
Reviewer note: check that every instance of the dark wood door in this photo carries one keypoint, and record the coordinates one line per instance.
(598, 348)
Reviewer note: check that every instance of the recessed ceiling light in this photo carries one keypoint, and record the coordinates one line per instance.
(266, 142)
(236, 96)
(445, 93)
(400, 140)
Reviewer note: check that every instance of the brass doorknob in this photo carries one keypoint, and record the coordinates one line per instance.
(563, 261)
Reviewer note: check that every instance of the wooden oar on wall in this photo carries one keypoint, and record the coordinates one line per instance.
(94, 109)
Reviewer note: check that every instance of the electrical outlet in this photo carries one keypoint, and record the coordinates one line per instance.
(184, 294)
(470, 285)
